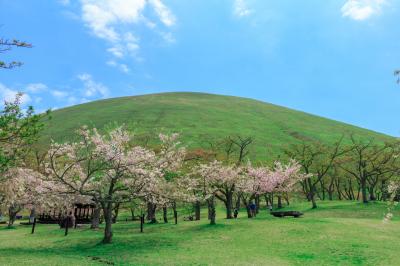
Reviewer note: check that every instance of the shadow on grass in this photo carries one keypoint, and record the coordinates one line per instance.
(5, 228)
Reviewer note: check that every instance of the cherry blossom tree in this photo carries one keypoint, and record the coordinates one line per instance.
(281, 178)
(29, 189)
(168, 162)
(23, 189)
(110, 169)
(225, 180)
(104, 167)
(393, 191)
(216, 180)
(248, 186)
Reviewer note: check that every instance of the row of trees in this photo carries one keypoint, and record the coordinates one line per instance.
(111, 170)
(358, 169)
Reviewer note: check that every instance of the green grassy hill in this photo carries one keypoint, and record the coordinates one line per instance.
(200, 117)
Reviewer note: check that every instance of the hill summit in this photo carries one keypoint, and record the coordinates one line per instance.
(201, 118)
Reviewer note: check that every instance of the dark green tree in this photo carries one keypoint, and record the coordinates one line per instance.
(19, 129)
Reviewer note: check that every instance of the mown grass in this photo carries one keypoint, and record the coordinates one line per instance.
(337, 233)
(201, 118)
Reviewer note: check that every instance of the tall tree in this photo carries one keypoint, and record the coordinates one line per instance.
(19, 129)
(109, 169)
(367, 162)
(318, 159)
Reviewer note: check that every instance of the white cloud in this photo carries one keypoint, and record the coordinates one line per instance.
(92, 88)
(59, 94)
(168, 37)
(7, 94)
(116, 51)
(36, 87)
(123, 67)
(65, 2)
(112, 20)
(241, 9)
(163, 12)
(362, 9)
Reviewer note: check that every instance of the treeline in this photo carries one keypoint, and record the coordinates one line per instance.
(110, 170)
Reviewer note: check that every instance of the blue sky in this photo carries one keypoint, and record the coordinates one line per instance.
(333, 58)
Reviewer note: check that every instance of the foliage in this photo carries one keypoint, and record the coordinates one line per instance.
(110, 170)
(19, 129)
(6, 45)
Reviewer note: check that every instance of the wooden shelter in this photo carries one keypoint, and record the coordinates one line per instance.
(83, 215)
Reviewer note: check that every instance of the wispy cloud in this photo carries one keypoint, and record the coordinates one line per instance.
(362, 9)
(123, 67)
(113, 21)
(165, 15)
(88, 90)
(8, 94)
(91, 87)
(64, 2)
(36, 87)
(59, 94)
(241, 9)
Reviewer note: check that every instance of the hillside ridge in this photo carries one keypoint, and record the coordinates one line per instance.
(201, 117)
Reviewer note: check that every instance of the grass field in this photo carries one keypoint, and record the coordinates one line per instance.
(337, 233)
(204, 117)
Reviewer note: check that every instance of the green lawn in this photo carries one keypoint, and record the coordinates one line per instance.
(338, 233)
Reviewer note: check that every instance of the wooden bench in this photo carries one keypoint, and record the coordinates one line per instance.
(281, 214)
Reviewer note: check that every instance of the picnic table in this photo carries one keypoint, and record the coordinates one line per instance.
(281, 214)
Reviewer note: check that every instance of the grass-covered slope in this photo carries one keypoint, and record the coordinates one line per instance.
(200, 117)
(337, 233)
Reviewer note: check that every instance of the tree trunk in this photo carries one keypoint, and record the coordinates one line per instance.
(96, 218)
(279, 202)
(165, 214)
(314, 204)
(107, 211)
(249, 214)
(12, 213)
(266, 200)
(246, 204)
(115, 212)
(312, 193)
(330, 194)
(132, 214)
(197, 210)
(364, 190)
(372, 194)
(141, 223)
(321, 183)
(175, 212)
(271, 199)
(287, 199)
(228, 205)
(257, 201)
(211, 209)
(32, 215)
(151, 212)
(385, 194)
(237, 203)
